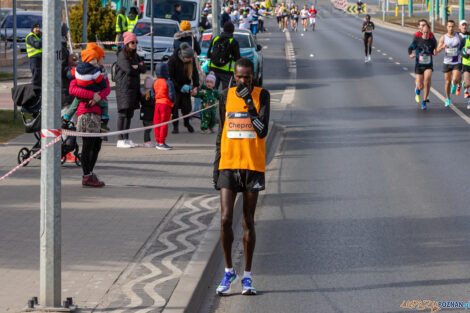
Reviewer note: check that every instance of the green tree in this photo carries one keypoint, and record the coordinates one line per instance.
(101, 21)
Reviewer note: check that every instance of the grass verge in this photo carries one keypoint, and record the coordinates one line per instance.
(9, 129)
(412, 22)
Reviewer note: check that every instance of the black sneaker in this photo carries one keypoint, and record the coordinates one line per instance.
(190, 128)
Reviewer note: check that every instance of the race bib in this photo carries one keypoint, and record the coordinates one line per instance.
(452, 52)
(239, 126)
(424, 59)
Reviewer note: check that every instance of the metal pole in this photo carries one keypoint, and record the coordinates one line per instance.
(50, 229)
(402, 16)
(436, 7)
(215, 18)
(461, 9)
(444, 12)
(15, 76)
(431, 12)
(151, 37)
(84, 23)
(387, 5)
(410, 7)
(383, 10)
(69, 35)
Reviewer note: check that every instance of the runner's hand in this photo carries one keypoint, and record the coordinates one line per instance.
(412, 56)
(244, 92)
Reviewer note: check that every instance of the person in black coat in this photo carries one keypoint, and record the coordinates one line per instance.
(225, 17)
(128, 70)
(177, 15)
(185, 78)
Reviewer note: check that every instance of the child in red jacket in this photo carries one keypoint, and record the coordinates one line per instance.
(164, 99)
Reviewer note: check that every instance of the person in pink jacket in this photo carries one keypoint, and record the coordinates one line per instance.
(89, 121)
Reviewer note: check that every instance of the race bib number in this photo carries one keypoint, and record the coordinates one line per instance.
(239, 126)
(424, 59)
(452, 52)
(369, 29)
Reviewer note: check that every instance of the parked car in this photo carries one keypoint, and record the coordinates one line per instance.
(24, 21)
(164, 31)
(249, 48)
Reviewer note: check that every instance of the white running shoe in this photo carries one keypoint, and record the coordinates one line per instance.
(370, 59)
(133, 144)
(366, 59)
(123, 144)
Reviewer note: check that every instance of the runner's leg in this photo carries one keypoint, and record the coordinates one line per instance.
(448, 77)
(427, 83)
(370, 45)
(227, 202)
(249, 235)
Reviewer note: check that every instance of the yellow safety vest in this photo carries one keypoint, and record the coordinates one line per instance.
(131, 23)
(230, 66)
(30, 49)
(124, 23)
(466, 61)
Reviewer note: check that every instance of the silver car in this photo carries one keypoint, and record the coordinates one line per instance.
(24, 21)
(163, 38)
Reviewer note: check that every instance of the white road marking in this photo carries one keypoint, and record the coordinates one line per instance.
(390, 58)
(311, 55)
(452, 106)
(265, 47)
(405, 68)
(384, 54)
(379, 50)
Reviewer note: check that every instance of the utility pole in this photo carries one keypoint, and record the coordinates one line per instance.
(461, 9)
(383, 10)
(15, 76)
(215, 18)
(431, 13)
(50, 226)
(402, 16)
(85, 23)
(445, 5)
(151, 37)
(410, 7)
(436, 7)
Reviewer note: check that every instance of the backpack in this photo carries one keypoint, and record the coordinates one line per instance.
(221, 51)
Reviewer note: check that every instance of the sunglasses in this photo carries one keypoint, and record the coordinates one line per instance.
(133, 42)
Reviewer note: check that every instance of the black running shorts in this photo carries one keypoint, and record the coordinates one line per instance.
(452, 67)
(465, 68)
(419, 69)
(241, 180)
(367, 35)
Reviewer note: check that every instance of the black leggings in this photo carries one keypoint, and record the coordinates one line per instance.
(367, 46)
(183, 103)
(90, 150)
(124, 122)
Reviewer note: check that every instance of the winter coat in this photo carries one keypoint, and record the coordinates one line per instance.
(128, 81)
(176, 67)
(164, 90)
(65, 96)
(81, 93)
(188, 37)
(147, 108)
(225, 17)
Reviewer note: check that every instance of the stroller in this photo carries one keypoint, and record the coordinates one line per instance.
(28, 97)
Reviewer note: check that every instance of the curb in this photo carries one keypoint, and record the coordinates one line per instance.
(194, 282)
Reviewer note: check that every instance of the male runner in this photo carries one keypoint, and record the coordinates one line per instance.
(425, 48)
(294, 13)
(465, 47)
(312, 14)
(359, 5)
(450, 42)
(463, 26)
(367, 28)
(421, 24)
(239, 165)
(285, 17)
(304, 17)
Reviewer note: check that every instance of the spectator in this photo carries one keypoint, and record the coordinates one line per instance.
(225, 17)
(129, 66)
(204, 24)
(185, 78)
(88, 121)
(147, 109)
(34, 51)
(177, 15)
(223, 52)
(121, 26)
(209, 97)
(164, 100)
(235, 18)
(68, 61)
(186, 35)
(132, 19)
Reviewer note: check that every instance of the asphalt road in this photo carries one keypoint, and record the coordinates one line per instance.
(366, 203)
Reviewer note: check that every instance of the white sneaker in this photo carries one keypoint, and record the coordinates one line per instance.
(123, 144)
(366, 59)
(131, 143)
(468, 106)
(370, 59)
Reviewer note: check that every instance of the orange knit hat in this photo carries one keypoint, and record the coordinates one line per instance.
(89, 54)
(97, 48)
(185, 25)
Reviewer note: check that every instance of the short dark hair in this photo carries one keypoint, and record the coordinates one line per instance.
(451, 21)
(177, 5)
(244, 62)
(423, 20)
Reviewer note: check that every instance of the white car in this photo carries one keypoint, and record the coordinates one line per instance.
(24, 21)
(164, 30)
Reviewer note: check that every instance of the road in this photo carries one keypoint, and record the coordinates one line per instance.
(366, 203)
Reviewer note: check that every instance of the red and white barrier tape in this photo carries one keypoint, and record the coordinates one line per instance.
(57, 134)
(104, 42)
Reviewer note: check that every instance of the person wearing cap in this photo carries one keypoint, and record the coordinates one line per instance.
(34, 51)
(209, 97)
(121, 26)
(186, 35)
(185, 78)
(129, 66)
(224, 71)
(132, 19)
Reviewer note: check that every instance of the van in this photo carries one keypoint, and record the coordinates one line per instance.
(164, 9)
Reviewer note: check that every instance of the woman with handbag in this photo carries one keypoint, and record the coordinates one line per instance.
(129, 66)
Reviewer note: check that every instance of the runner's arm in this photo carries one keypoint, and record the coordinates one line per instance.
(440, 46)
(260, 120)
(412, 46)
(222, 101)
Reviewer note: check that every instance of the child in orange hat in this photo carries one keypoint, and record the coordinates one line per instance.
(90, 77)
